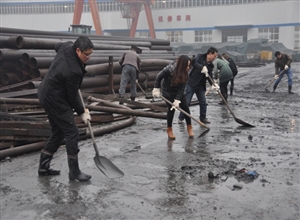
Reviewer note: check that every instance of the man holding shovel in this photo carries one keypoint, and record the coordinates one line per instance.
(201, 66)
(58, 94)
(283, 63)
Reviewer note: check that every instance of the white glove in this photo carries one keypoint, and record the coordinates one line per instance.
(286, 67)
(136, 81)
(205, 71)
(156, 93)
(175, 104)
(86, 116)
(215, 86)
(276, 76)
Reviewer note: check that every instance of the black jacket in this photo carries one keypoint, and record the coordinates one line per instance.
(163, 81)
(233, 67)
(58, 92)
(285, 60)
(196, 78)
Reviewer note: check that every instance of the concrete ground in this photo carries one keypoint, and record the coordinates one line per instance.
(169, 179)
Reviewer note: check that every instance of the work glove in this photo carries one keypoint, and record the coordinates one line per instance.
(215, 86)
(205, 71)
(286, 67)
(175, 104)
(86, 116)
(156, 92)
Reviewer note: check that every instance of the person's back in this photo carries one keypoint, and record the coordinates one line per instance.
(130, 62)
(232, 66)
(222, 70)
(130, 58)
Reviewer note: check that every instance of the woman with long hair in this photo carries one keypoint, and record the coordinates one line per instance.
(172, 81)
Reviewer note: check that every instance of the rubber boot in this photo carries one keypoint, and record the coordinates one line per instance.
(75, 173)
(225, 97)
(274, 88)
(290, 90)
(190, 131)
(231, 90)
(132, 98)
(121, 102)
(44, 167)
(170, 133)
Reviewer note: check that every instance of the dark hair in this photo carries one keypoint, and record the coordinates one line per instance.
(277, 53)
(225, 56)
(133, 47)
(212, 50)
(180, 72)
(83, 43)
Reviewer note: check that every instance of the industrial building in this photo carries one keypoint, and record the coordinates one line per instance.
(188, 21)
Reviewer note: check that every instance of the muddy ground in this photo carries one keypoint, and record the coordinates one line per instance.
(169, 179)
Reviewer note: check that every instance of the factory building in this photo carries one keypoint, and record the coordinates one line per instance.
(187, 21)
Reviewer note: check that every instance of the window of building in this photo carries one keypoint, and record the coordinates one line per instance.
(297, 38)
(203, 36)
(269, 33)
(174, 36)
(236, 39)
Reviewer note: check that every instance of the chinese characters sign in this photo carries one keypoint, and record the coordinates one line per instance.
(170, 18)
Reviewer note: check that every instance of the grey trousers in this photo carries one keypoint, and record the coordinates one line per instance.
(128, 73)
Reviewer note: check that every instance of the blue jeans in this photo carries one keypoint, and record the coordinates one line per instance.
(289, 74)
(200, 93)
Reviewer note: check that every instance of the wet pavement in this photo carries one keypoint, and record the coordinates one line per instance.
(170, 179)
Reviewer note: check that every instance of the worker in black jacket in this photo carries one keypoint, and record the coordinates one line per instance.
(201, 67)
(58, 94)
(233, 68)
(283, 66)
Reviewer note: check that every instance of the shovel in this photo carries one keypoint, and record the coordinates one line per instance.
(147, 97)
(235, 118)
(276, 77)
(187, 114)
(105, 165)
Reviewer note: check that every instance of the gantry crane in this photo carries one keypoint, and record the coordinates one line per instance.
(130, 10)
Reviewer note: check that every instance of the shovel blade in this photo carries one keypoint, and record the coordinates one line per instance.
(243, 123)
(204, 133)
(107, 167)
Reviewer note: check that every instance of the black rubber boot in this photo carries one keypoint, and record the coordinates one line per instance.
(274, 88)
(121, 102)
(132, 98)
(75, 173)
(231, 90)
(290, 90)
(225, 97)
(44, 167)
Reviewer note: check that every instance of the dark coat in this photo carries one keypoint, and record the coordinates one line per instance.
(285, 60)
(196, 78)
(232, 67)
(163, 81)
(58, 92)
